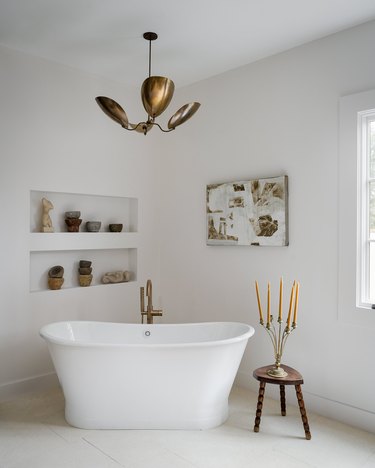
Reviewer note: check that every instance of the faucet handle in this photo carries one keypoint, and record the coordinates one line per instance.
(157, 313)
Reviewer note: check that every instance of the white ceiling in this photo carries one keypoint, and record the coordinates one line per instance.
(197, 38)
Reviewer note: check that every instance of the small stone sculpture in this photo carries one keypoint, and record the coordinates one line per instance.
(116, 277)
(84, 273)
(72, 220)
(73, 224)
(46, 219)
(55, 277)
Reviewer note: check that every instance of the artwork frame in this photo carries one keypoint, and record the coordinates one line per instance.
(250, 212)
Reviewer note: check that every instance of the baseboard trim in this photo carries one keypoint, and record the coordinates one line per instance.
(339, 411)
(38, 383)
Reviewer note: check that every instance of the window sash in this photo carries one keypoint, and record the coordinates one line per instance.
(366, 202)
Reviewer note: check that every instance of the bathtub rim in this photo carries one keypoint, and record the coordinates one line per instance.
(86, 344)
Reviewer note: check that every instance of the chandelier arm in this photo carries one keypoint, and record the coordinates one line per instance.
(162, 129)
(140, 124)
(131, 129)
(145, 123)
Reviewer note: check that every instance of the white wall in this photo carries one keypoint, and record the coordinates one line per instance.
(277, 116)
(54, 137)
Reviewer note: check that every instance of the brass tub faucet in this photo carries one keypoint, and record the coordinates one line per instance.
(150, 312)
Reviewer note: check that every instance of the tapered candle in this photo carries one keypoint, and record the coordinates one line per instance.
(269, 304)
(259, 304)
(281, 300)
(296, 305)
(290, 306)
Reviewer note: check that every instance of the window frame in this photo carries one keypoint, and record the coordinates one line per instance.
(363, 208)
(349, 309)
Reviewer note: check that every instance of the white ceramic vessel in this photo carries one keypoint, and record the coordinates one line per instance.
(130, 376)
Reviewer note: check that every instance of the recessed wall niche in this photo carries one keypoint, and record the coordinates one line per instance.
(108, 251)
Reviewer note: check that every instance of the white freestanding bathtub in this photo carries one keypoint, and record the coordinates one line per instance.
(130, 376)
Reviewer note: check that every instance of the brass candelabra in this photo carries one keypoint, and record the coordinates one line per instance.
(277, 334)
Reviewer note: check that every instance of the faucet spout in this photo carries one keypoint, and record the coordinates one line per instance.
(149, 288)
(149, 312)
(149, 295)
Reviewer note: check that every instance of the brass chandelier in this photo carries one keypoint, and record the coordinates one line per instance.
(156, 93)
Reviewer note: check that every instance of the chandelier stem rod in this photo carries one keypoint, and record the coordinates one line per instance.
(149, 59)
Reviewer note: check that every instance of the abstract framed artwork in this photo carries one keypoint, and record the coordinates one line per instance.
(253, 212)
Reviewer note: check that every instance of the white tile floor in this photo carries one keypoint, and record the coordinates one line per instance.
(34, 434)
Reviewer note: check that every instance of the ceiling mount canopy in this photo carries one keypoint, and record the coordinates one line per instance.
(156, 94)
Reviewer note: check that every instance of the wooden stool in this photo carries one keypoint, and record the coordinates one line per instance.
(293, 378)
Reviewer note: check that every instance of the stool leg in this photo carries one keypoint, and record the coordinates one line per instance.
(259, 406)
(302, 409)
(282, 400)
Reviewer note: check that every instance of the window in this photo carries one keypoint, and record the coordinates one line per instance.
(356, 209)
(366, 209)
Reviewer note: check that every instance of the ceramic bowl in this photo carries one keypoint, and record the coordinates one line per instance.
(115, 227)
(93, 226)
(72, 214)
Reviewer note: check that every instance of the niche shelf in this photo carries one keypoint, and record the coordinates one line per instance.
(41, 242)
(108, 251)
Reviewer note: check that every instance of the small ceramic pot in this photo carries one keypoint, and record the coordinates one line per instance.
(72, 214)
(73, 224)
(56, 272)
(85, 271)
(85, 280)
(85, 263)
(115, 227)
(93, 226)
(55, 283)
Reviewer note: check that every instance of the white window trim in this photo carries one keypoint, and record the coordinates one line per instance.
(363, 241)
(350, 309)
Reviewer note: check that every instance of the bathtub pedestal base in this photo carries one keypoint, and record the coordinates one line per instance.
(166, 421)
(293, 378)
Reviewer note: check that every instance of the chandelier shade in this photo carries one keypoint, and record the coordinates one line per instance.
(113, 110)
(156, 93)
(183, 114)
